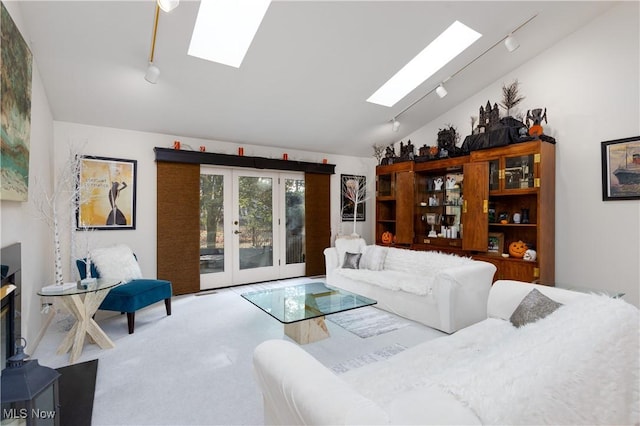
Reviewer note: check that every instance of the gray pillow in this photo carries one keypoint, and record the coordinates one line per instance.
(352, 260)
(533, 307)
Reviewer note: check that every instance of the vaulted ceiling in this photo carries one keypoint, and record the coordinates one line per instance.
(305, 79)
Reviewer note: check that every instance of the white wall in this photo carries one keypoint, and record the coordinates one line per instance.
(589, 83)
(19, 221)
(126, 144)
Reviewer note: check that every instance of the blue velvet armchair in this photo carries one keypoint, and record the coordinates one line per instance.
(131, 296)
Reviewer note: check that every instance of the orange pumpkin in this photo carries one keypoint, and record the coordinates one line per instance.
(387, 237)
(517, 249)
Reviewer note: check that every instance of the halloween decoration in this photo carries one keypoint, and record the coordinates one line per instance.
(510, 96)
(530, 255)
(536, 115)
(389, 156)
(387, 237)
(517, 249)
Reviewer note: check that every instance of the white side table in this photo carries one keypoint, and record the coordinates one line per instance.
(83, 310)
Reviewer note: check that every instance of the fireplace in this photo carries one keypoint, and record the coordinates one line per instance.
(10, 314)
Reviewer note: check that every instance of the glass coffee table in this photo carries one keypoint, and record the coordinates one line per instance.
(301, 308)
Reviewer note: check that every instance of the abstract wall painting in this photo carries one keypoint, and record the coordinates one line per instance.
(106, 194)
(15, 110)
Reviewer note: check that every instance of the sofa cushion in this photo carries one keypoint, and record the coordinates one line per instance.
(392, 280)
(351, 260)
(348, 244)
(373, 257)
(533, 307)
(425, 263)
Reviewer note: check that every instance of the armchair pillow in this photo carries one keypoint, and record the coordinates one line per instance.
(116, 262)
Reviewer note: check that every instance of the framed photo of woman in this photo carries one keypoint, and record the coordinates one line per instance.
(106, 193)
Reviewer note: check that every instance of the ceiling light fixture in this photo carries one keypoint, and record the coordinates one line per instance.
(441, 91)
(224, 29)
(511, 43)
(168, 5)
(453, 41)
(440, 88)
(396, 125)
(153, 72)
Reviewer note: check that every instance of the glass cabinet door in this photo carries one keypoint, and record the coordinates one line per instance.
(519, 172)
(494, 175)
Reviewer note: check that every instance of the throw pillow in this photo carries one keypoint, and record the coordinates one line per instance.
(116, 262)
(351, 260)
(533, 307)
(347, 244)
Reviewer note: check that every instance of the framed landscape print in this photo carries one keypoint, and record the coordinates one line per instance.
(106, 194)
(621, 169)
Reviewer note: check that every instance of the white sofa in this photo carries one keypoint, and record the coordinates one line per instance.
(439, 290)
(578, 365)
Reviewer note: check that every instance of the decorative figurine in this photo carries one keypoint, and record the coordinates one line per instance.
(451, 182)
(389, 155)
(536, 115)
(530, 255)
(437, 182)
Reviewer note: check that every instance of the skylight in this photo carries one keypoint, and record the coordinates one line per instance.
(224, 29)
(453, 41)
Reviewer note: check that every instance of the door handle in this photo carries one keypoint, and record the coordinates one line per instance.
(237, 232)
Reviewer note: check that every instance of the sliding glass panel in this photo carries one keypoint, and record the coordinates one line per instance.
(211, 223)
(294, 218)
(255, 228)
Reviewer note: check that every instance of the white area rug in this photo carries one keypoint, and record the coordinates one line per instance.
(375, 356)
(368, 321)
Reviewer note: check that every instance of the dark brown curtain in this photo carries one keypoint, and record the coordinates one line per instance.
(178, 216)
(317, 209)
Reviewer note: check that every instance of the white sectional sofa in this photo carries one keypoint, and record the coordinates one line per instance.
(439, 290)
(578, 365)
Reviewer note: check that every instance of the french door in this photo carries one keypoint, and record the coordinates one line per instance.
(251, 226)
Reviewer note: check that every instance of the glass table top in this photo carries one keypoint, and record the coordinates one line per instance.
(305, 301)
(99, 284)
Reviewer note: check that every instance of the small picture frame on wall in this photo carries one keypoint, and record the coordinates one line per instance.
(106, 194)
(621, 169)
(496, 244)
(353, 197)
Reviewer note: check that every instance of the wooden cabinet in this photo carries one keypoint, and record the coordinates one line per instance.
(505, 193)
(521, 206)
(439, 197)
(394, 202)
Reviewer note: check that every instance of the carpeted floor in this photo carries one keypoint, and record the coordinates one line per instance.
(195, 366)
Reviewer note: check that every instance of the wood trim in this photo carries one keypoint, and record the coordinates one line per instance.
(197, 157)
(178, 225)
(317, 207)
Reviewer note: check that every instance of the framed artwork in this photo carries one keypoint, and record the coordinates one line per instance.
(354, 191)
(621, 169)
(106, 194)
(496, 243)
(15, 106)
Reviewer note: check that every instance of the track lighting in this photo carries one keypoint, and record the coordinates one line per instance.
(396, 125)
(168, 5)
(511, 43)
(153, 73)
(441, 91)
